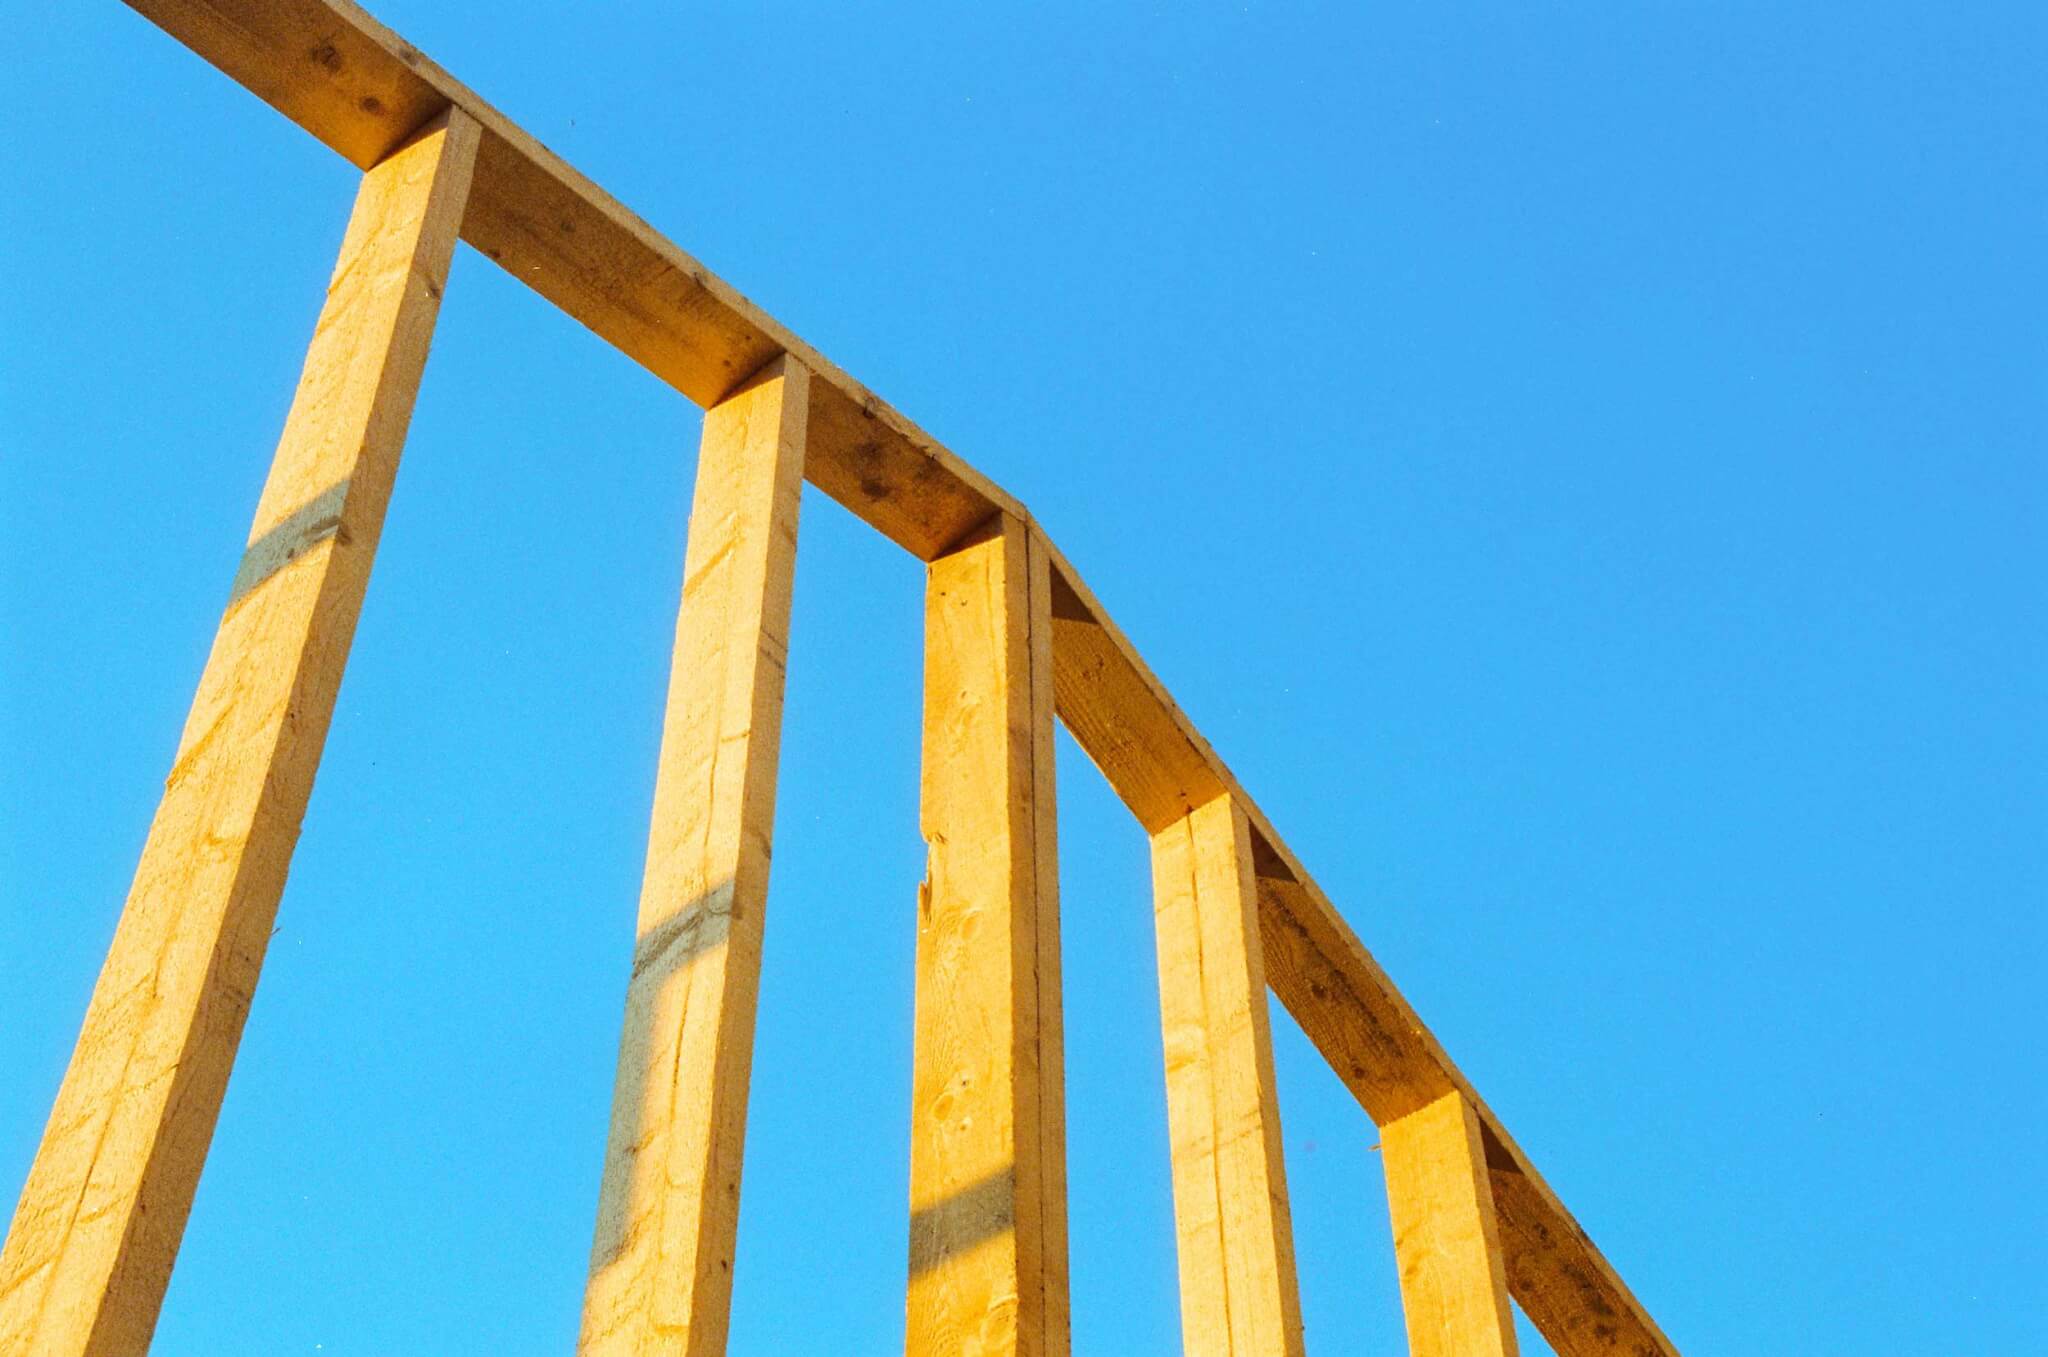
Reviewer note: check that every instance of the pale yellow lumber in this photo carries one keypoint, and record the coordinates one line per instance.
(1446, 1242)
(1238, 1294)
(361, 89)
(988, 1236)
(1129, 725)
(661, 1267)
(98, 1225)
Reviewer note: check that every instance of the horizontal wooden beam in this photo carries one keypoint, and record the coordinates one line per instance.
(362, 90)
(1162, 768)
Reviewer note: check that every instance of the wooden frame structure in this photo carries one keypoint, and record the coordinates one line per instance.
(1014, 639)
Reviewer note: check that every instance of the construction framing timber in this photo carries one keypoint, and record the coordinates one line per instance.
(1012, 632)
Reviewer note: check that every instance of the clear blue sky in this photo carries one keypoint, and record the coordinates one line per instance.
(1581, 464)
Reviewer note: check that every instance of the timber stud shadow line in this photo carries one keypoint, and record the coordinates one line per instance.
(1013, 638)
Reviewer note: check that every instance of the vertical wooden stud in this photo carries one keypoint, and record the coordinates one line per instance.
(1446, 1240)
(661, 1266)
(1238, 1293)
(97, 1230)
(988, 1233)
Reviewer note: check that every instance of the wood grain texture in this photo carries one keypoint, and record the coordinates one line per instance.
(1238, 1293)
(1565, 1285)
(988, 1237)
(1446, 1243)
(1374, 1041)
(98, 1226)
(661, 1267)
(1160, 765)
(361, 89)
